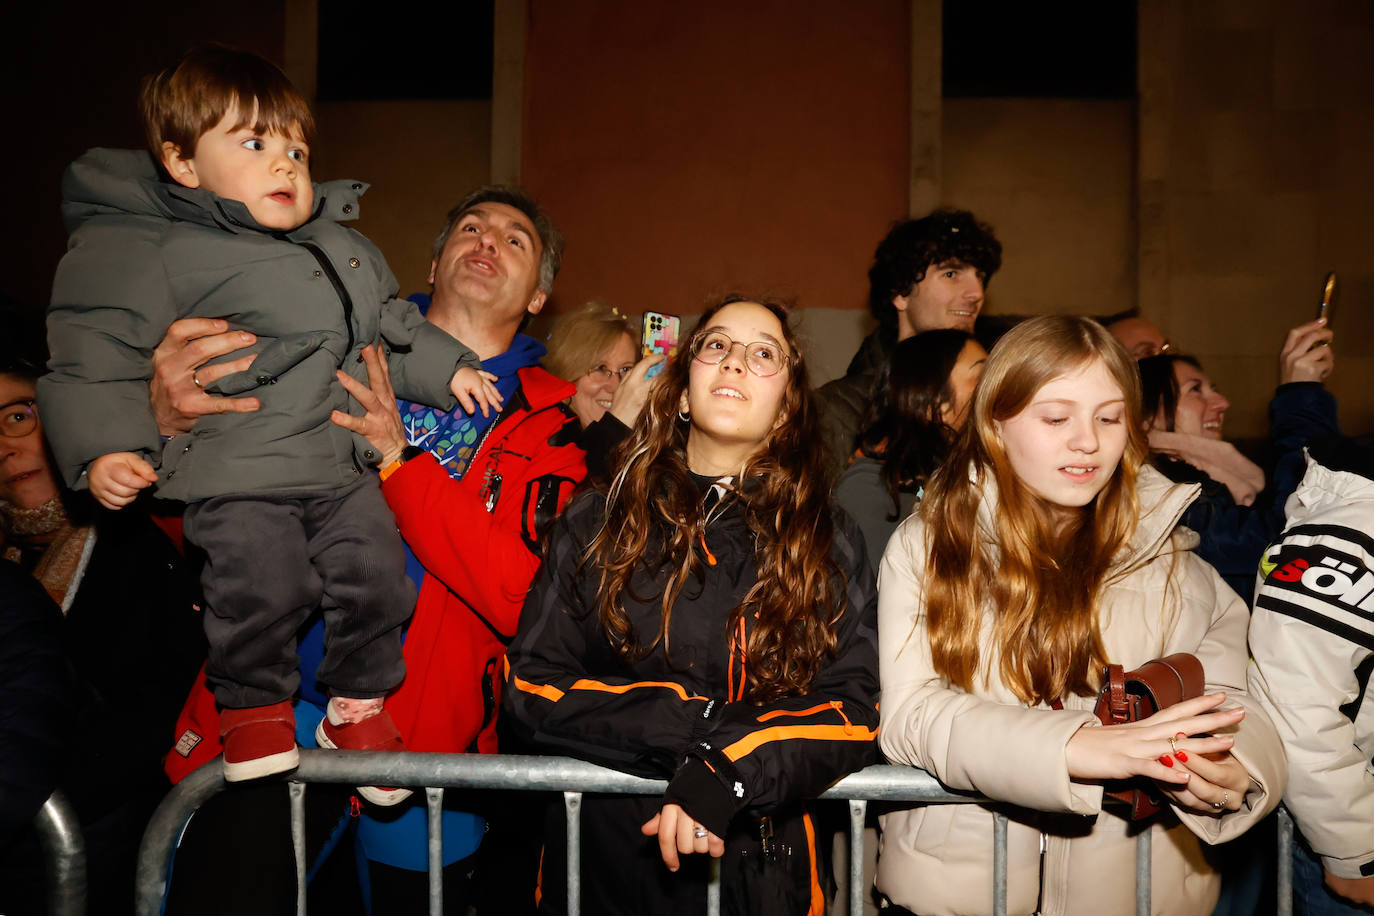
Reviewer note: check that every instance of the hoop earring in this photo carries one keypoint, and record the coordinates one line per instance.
(684, 417)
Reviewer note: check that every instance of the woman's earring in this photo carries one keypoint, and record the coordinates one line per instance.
(683, 416)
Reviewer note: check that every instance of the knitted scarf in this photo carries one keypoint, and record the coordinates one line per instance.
(66, 548)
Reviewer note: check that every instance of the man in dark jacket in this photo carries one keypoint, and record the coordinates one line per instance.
(927, 273)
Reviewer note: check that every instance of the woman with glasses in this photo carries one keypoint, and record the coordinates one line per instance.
(132, 636)
(707, 618)
(595, 349)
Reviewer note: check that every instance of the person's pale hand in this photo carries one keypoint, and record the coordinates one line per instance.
(1357, 890)
(676, 831)
(1306, 354)
(630, 397)
(116, 479)
(475, 389)
(380, 423)
(179, 361)
(1218, 784)
(1136, 748)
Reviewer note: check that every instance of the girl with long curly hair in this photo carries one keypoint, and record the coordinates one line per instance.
(1043, 550)
(708, 618)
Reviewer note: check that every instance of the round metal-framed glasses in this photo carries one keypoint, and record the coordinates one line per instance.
(762, 357)
(18, 419)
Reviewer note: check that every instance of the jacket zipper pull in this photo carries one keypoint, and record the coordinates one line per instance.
(710, 557)
(1044, 854)
(492, 487)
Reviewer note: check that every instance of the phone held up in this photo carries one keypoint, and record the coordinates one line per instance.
(661, 334)
(1328, 298)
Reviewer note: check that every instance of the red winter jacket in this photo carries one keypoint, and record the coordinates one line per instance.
(479, 542)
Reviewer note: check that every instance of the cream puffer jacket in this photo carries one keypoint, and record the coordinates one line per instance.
(937, 859)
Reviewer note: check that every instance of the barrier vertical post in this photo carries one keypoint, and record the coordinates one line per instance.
(572, 803)
(297, 792)
(434, 799)
(1143, 859)
(64, 847)
(999, 864)
(1284, 876)
(857, 809)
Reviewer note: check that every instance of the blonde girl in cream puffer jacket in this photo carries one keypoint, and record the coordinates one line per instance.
(1043, 551)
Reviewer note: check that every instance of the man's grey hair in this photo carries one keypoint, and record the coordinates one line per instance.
(550, 239)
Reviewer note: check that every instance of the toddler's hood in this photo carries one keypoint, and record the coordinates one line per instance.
(111, 182)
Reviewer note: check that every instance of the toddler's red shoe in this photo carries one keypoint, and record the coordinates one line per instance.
(375, 733)
(258, 741)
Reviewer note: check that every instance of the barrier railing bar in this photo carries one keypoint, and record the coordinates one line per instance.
(297, 792)
(572, 778)
(434, 800)
(64, 848)
(858, 808)
(1284, 878)
(713, 890)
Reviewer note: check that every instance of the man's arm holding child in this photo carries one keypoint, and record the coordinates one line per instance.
(180, 373)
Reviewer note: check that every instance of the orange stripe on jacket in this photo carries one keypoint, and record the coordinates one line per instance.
(588, 684)
(547, 691)
(778, 713)
(817, 895)
(750, 743)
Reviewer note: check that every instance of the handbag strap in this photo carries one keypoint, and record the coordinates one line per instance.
(1118, 707)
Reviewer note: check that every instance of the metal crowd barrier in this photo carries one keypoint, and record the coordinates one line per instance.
(64, 848)
(573, 777)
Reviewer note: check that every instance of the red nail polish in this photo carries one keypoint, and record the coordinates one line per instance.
(1166, 760)
(1182, 755)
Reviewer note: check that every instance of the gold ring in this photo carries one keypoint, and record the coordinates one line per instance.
(195, 377)
(1173, 743)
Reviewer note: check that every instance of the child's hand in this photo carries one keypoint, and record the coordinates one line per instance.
(475, 388)
(117, 477)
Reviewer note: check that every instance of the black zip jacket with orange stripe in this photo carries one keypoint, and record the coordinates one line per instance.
(670, 714)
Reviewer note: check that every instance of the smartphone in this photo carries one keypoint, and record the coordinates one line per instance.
(661, 334)
(1328, 297)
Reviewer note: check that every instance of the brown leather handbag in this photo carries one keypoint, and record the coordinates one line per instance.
(1133, 695)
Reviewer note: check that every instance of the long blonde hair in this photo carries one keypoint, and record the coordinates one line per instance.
(1039, 577)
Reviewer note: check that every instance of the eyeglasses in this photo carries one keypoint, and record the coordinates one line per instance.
(605, 374)
(17, 419)
(762, 358)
